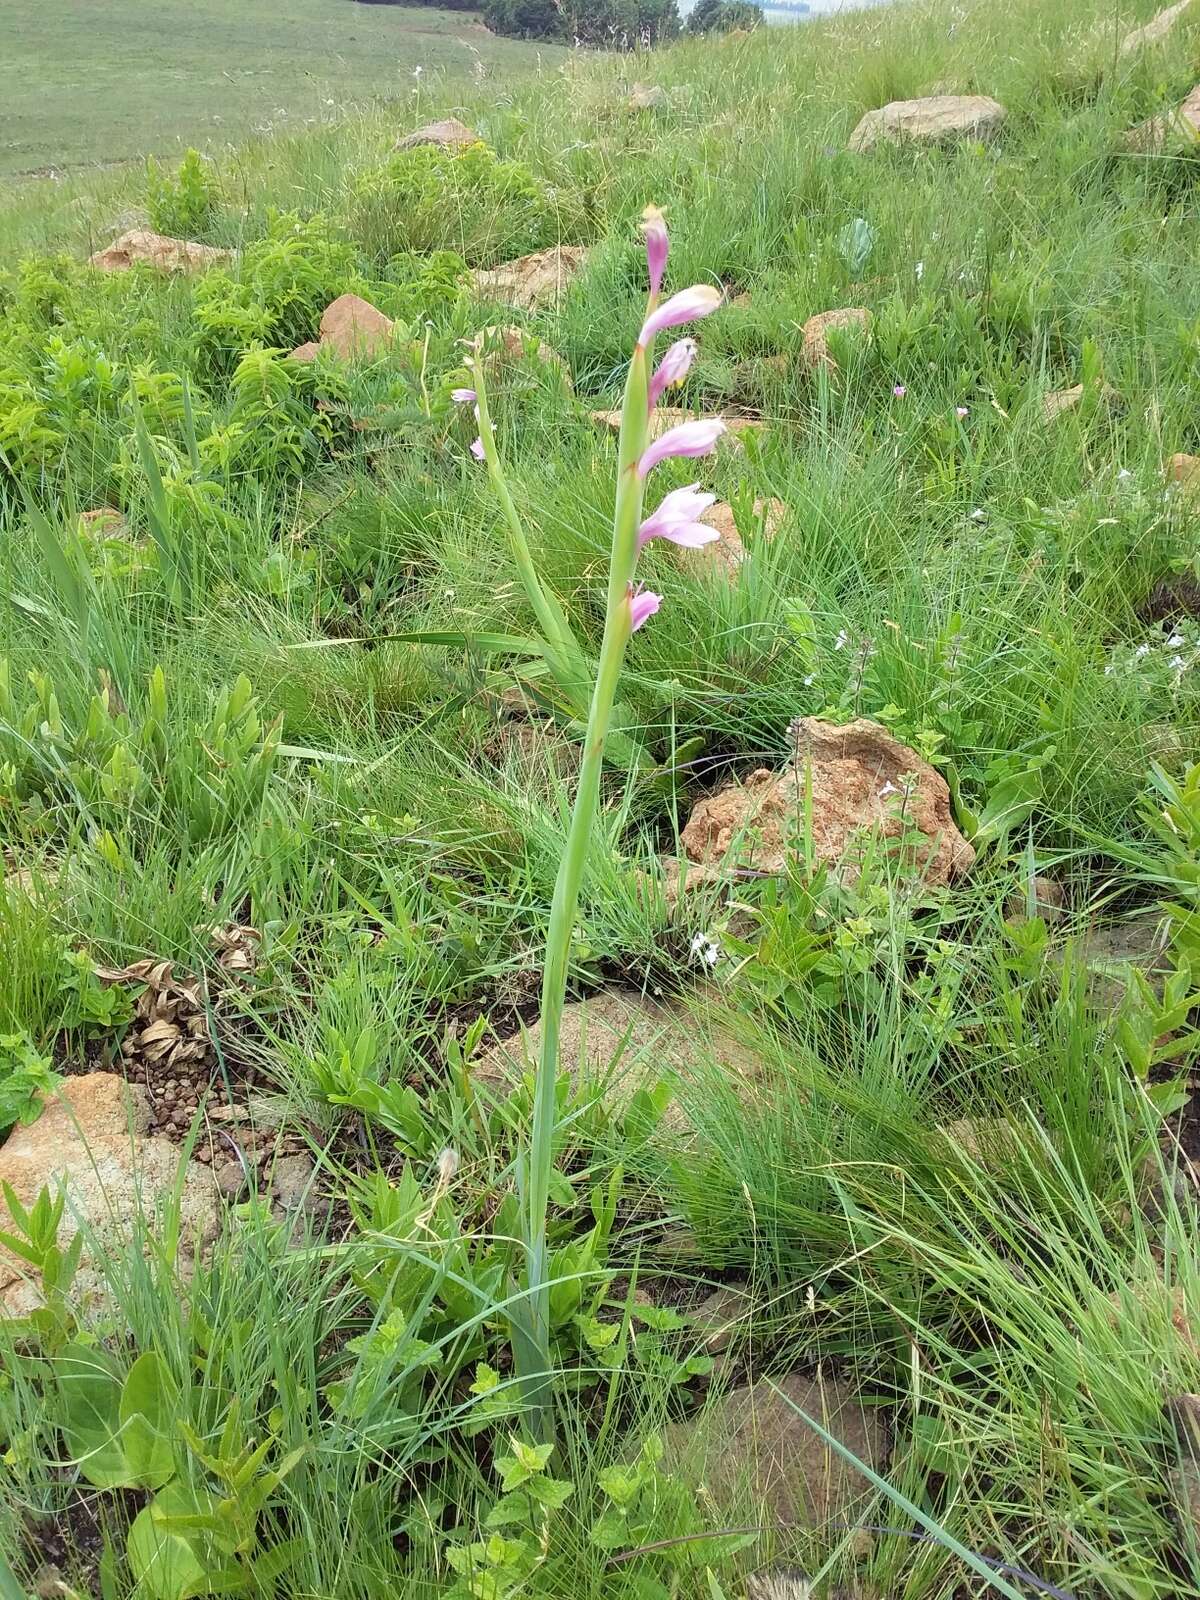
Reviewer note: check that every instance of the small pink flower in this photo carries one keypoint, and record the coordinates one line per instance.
(899, 391)
(643, 603)
(961, 411)
(685, 439)
(678, 519)
(673, 368)
(698, 301)
(477, 450)
(463, 397)
(654, 228)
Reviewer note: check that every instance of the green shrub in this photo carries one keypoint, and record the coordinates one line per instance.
(185, 206)
(467, 200)
(722, 16)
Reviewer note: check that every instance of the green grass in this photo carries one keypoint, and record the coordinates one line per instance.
(1020, 1305)
(118, 80)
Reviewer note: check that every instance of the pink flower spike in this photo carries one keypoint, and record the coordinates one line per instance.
(678, 519)
(899, 391)
(463, 397)
(698, 301)
(685, 439)
(960, 412)
(477, 450)
(673, 368)
(643, 603)
(658, 245)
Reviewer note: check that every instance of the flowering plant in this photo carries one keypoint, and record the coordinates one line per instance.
(630, 605)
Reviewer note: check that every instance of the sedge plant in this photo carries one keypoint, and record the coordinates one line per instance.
(629, 606)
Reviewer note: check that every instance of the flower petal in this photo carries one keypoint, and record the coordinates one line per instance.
(658, 245)
(686, 439)
(673, 368)
(463, 397)
(477, 450)
(643, 603)
(698, 301)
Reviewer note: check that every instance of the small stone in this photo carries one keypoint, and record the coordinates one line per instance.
(230, 1179)
(142, 247)
(720, 1316)
(936, 119)
(1048, 899)
(102, 522)
(509, 346)
(355, 328)
(533, 281)
(1059, 401)
(815, 348)
(291, 1177)
(649, 97)
(449, 133)
(754, 1448)
(724, 556)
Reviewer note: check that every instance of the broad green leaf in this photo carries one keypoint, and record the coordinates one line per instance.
(90, 1386)
(167, 1563)
(148, 1401)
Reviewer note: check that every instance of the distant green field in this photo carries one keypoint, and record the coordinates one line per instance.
(114, 79)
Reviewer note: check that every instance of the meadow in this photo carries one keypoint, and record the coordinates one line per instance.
(117, 80)
(289, 744)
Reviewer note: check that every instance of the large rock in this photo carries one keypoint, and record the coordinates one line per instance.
(751, 1449)
(352, 328)
(1178, 127)
(449, 133)
(723, 558)
(91, 1139)
(532, 281)
(1155, 31)
(815, 349)
(649, 97)
(616, 1043)
(937, 119)
(864, 781)
(142, 247)
(1183, 473)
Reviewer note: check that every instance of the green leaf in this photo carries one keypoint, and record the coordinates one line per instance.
(550, 1492)
(166, 1563)
(490, 643)
(148, 1401)
(90, 1386)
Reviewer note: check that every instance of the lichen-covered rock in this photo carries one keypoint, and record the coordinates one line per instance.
(534, 281)
(935, 119)
(815, 350)
(864, 781)
(1178, 127)
(143, 247)
(751, 1448)
(1156, 31)
(91, 1139)
(448, 132)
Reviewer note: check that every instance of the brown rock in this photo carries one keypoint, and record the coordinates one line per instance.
(306, 352)
(1178, 127)
(141, 247)
(725, 555)
(1155, 31)
(616, 1042)
(720, 1316)
(291, 1178)
(532, 281)
(450, 133)
(231, 1178)
(1048, 899)
(91, 1139)
(355, 328)
(1184, 472)
(104, 523)
(750, 1447)
(863, 781)
(815, 349)
(936, 119)
(508, 346)
(1057, 402)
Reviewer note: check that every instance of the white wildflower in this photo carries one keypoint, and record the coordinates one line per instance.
(705, 950)
(842, 640)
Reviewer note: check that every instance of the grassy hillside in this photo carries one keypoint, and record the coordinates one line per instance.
(115, 80)
(288, 700)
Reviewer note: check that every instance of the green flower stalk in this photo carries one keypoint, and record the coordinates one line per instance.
(629, 606)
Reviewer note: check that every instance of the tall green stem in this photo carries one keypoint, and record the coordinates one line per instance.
(532, 1349)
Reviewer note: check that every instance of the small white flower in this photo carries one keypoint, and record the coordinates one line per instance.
(1175, 642)
(1124, 475)
(979, 514)
(705, 950)
(919, 269)
(808, 682)
(1141, 651)
(842, 640)
(447, 1165)
(417, 71)
(1176, 663)
(888, 788)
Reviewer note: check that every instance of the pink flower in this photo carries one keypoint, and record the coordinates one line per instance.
(686, 306)
(899, 391)
(678, 519)
(463, 397)
(960, 412)
(673, 368)
(477, 450)
(654, 228)
(685, 439)
(643, 603)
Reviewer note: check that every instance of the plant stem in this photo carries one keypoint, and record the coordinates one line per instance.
(533, 1350)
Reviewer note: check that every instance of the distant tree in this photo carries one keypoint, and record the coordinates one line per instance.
(721, 16)
(606, 24)
(525, 19)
